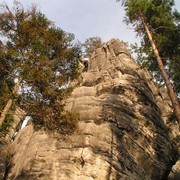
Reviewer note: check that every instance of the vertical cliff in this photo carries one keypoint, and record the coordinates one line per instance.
(123, 132)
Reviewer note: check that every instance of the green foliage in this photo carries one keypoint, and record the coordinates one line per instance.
(7, 123)
(43, 57)
(4, 94)
(69, 122)
(6, 82)
(163, 22)
(64, 123)
(91, 44)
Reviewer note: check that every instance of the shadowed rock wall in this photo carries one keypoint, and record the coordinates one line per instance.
(123, 131)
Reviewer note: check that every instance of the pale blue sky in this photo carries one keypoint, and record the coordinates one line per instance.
(85, 19)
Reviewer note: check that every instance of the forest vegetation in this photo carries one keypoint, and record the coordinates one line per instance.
(156, 22)
(38, 60)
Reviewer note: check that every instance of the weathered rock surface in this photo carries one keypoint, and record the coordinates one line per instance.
(5, 146)
(123, 131)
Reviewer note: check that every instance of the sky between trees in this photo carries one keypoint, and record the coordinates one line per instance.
(86, 19)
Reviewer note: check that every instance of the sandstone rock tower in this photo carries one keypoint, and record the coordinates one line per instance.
(122, 133)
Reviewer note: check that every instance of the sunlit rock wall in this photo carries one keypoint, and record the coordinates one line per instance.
(123, 131)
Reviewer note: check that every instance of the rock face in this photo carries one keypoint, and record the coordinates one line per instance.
(123, 131)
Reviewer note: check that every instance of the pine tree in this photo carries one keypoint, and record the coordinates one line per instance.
(166, 33)
(43, 60)
(150, 19)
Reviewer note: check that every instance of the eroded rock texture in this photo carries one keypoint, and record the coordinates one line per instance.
(123, 131)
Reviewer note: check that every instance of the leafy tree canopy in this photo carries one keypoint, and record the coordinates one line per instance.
(42, 57)
(91, 44)
(163, 21)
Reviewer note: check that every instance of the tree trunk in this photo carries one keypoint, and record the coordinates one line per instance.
(9, 103)
(170, 90)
